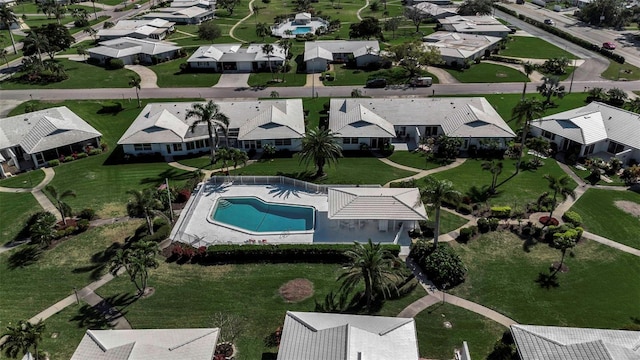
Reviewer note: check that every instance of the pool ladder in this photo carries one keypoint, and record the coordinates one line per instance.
(224, 203)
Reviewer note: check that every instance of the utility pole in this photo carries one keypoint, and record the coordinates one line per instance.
(166, 180)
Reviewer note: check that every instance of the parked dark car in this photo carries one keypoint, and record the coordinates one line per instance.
(376, 83)
(549, 22)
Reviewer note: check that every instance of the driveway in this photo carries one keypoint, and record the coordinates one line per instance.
(233, 81)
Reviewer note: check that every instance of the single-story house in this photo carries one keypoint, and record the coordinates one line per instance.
(479, 25)
(207, 4)
(165, 344)
(375, 122)
(156, 29)
(318, 54)
(302, 18)
(566, 343)
(182, 15)
(131, 51)
(235, 58)
(435, 11)
(9, 3)
(458, 47)
(437, 2)
(30, 140)
(595, 130)
(322, 336)
(162, 127)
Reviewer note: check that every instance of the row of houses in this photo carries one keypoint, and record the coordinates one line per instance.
(322, 336)
(30, 140)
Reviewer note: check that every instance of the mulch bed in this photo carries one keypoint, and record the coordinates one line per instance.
(296, 290)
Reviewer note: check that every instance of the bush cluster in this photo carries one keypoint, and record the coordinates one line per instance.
(572, 217)
(467, 234)
(88, 214)
(54, 162)
(442, 265)
(160, 234)
(485, 225)
(115, 64)
(501, 211)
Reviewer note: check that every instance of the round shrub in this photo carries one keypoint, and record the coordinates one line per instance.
(443, 267)
(115, 64)
(82, 155)
(88, 214)
(53, 163)
(69, 158)
(467, 233)
(572, 217)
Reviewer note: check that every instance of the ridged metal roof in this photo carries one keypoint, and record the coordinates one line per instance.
(376, 204)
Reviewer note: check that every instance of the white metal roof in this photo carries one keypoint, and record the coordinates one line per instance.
(278, 121)
(566, 343)
(435, 10)
(235, 52)
(472, 24)
(459, 45)
(593, 123)
(126, 46)
(376, 203)
(45, 129)
(358, 121)
(143, 27)
(147, 344)
(319, 336)
(325, 48)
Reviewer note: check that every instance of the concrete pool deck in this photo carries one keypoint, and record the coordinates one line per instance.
(197, 230)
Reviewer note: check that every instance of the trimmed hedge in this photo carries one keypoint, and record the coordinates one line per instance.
(572, 217)
(280, 253)
(159, 235)
(501, 211)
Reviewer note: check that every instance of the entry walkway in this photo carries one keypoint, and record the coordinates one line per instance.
(37, 193)
(148, 78)
(420, 172)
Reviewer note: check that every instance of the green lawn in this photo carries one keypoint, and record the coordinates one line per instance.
(292, 78)
(5, 41)
(15, 209)
(202, 162)
(32, 8)
(448, 221)
(346, 76)
(585, 175)
(438, 342)
(625, 71)
(601, 282)
(188, 295)
(35, 21)
(599, 212)
(169, 75)
(533, 48)
(348, 171)
(488, 73)
(73, 50)
(414, 159)
(81, 76)
(27, 179)
(525, 187)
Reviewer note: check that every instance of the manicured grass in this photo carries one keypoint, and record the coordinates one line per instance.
(5, 41)
(585, 175)
(24, 180)
(488, 73)
(348, 171)
(15, 209)
(35, 21)
(625, 71)
(92, 22)
(346, 76)
(202, 162)
(73, 50)
(514, 191)
(292, 78)
(414, 159)
(438, 342)
(601, 216)
(32, 8)
(448, 221)
(316, 109)
(601, 282)
(170, 75)
(533, 48)
(81, 76)
(188, 295)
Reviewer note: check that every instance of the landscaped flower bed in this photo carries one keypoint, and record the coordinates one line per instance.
(545, 220)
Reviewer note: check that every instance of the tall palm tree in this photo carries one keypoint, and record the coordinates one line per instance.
(495, 168)
(210, 115)
(435, 192)
(286, 45)
(59, 12)
(238, 157)
(320, 146)
(22, 337)
(3, 55)
(524, 112)
(144, 203)
(95, 14)
(551, 87)
(136, 82)
(46, 7)
(58, 198)
(528, 68)
(137, 261)
(268, 50)
(224, 155)
(561, 185)
(374, 266)
(37, 41)
(262, 30)
(8, 18)
(597, 94)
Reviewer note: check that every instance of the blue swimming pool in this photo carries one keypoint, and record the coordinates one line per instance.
(254, 215)
(301, 30)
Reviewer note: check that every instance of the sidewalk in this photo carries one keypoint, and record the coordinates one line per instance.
(420, 172)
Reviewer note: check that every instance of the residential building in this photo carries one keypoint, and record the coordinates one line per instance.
(132, 51)
(375, 122)
(479, 25)
(300, 25)
(595, 130)
(156, 29)
(318, 54)
(162, 128)
(435, 11)
(566, 343)
(165, 344)
(437, 2)
(30, 140)
(235, 58)
(182, 15)
(321, 336)
(456, 48)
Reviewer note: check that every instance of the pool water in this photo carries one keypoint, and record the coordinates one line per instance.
(255, 215)
(302, 30)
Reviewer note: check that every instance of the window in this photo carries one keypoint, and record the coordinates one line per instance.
(282, 142)
(548, 135)
(614, 147)
(177, 147)
(588, 150)
(430, 130)
(191, 145)
(142, 147)
(350, 141)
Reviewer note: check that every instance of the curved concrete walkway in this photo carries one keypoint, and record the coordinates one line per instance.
(148, 78)
(233, 28)
(360, 10)
(443, 76)
(420, 172)
(208, 173)
(37, 193)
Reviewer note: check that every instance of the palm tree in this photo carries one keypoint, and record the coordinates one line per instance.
(36, 40)
(286, 45)
(238, 156)
(91, 32)
(376, 267)
(22, 337)
(7, 18)
(495, 168)
(3, 55)
(136, 261)
(524, 113)
(634, 105)
(597, 94)
(58, 199)
(144, 203)
(95, 14)
(561, 186)
(210, 115)
(268, 50)
(617, 96)
(136, 82)
(59, 12)
(435, 192)
(262, 30)
(551, 87)
(320, 146)
(528, 68)
(224, 155)
(81, 50)
(46, 7)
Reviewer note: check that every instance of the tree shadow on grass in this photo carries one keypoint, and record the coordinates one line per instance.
(547, 281)
(99, 262)
(306, 175)
(24, 257)
(100, 316)
(171, 174)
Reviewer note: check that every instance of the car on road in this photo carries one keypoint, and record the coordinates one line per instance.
(609, 45)
(549, 22)
(137, 6)
(512, 29)
(376, 83)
